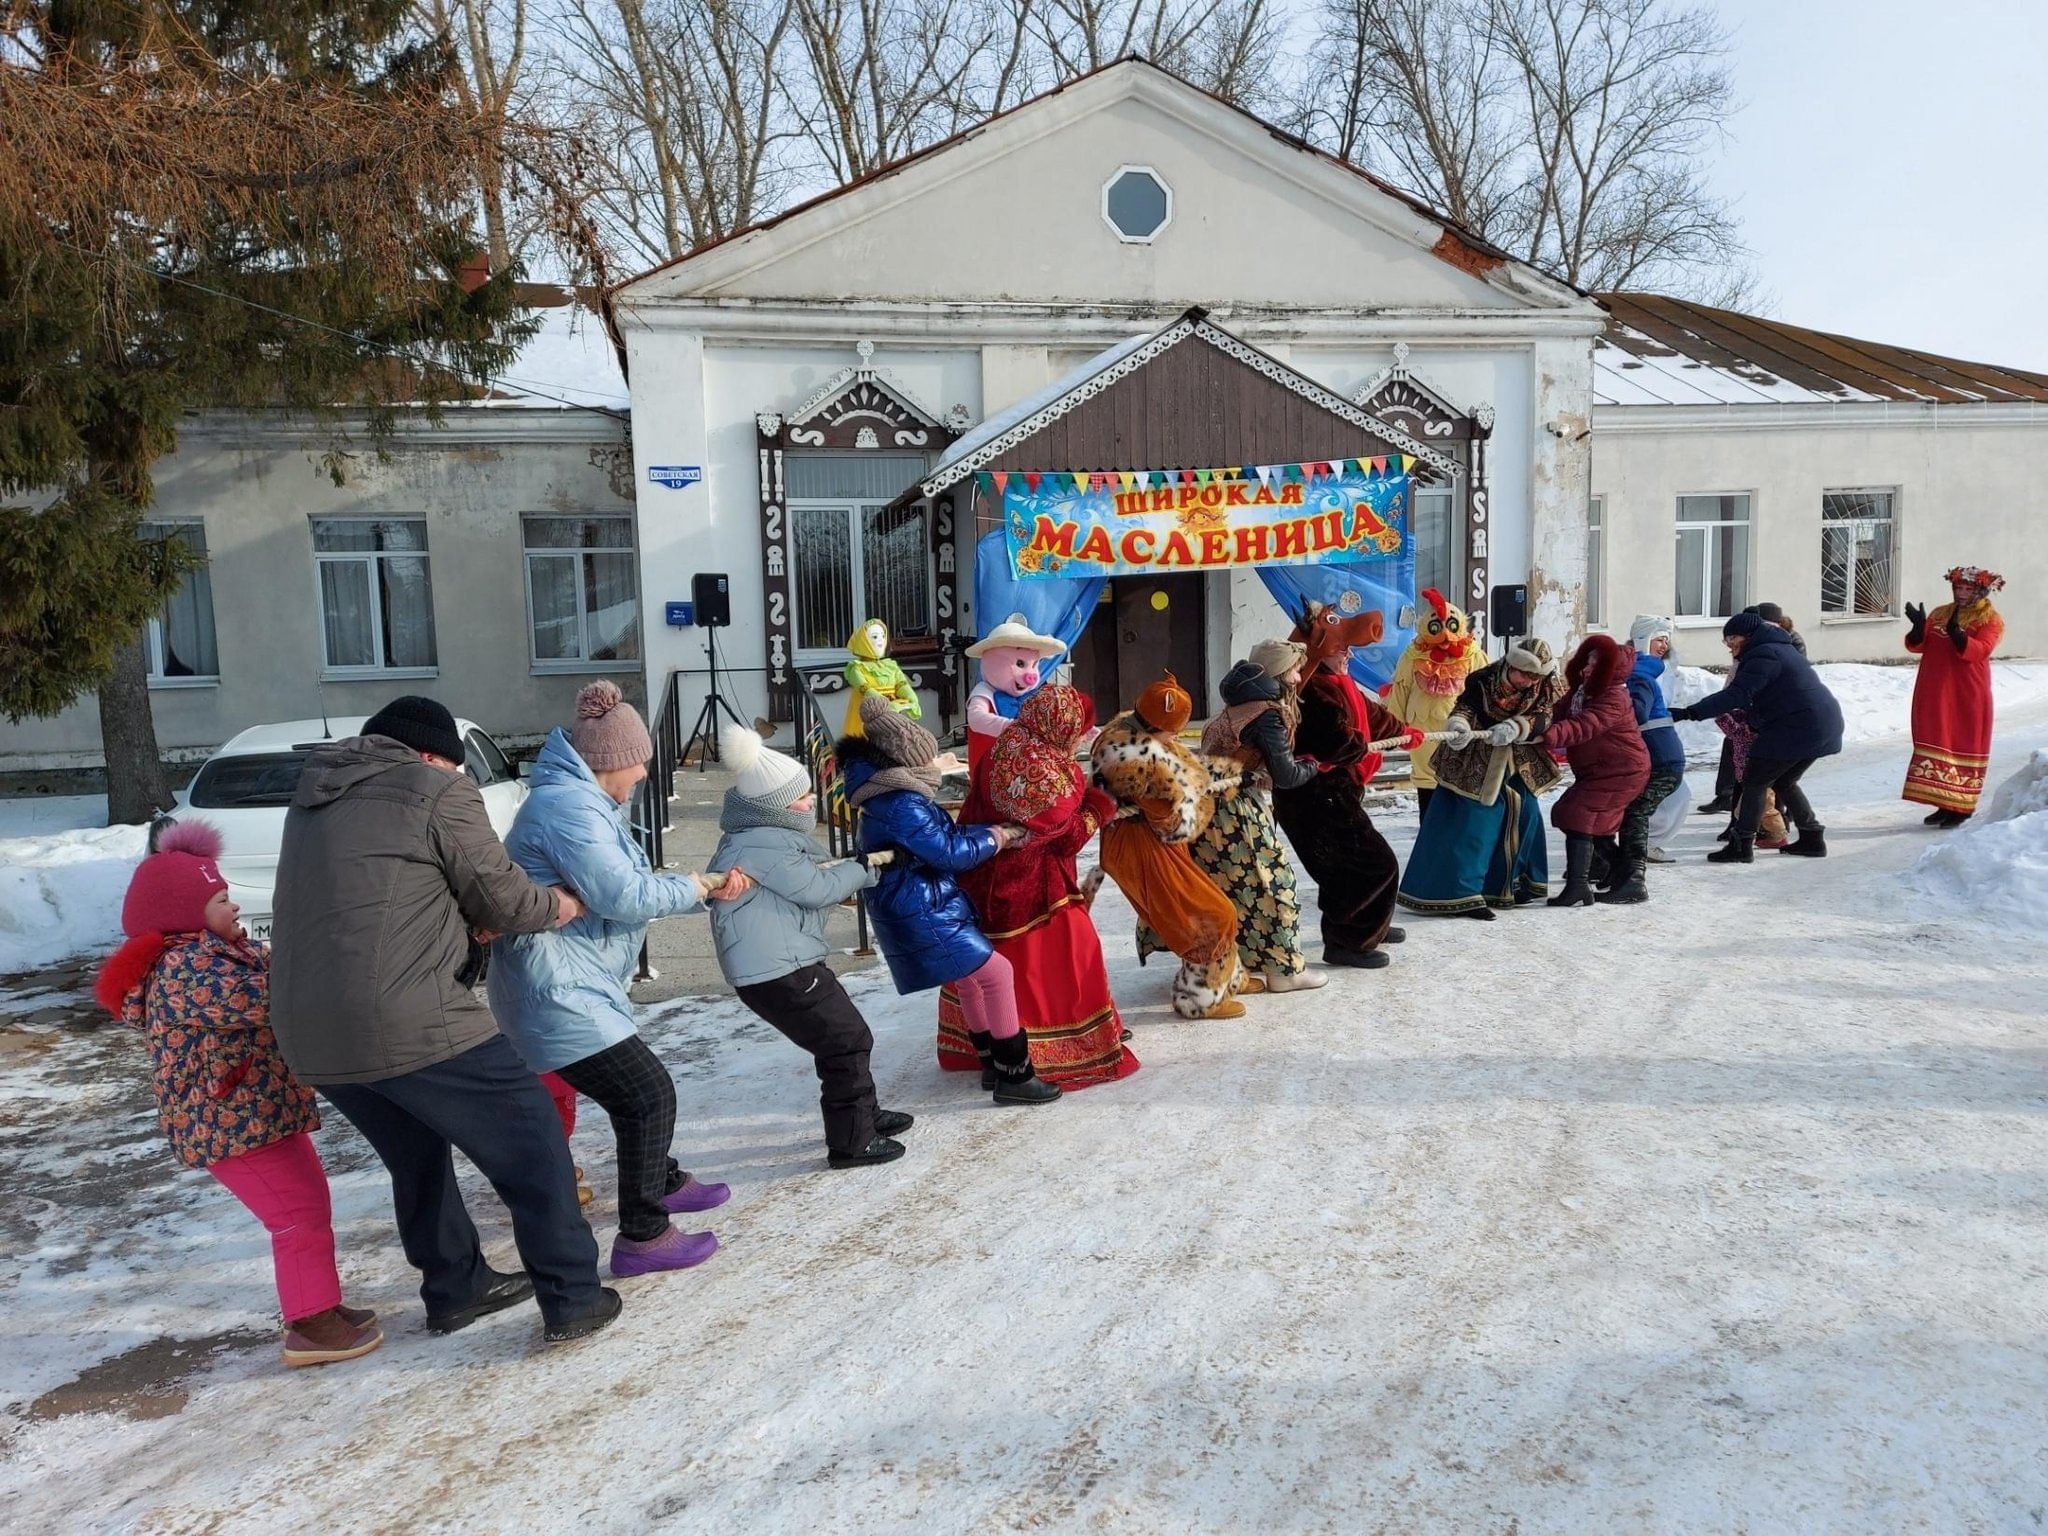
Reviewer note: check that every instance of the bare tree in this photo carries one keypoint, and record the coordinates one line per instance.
(886, 77)
(1225, 46)
(680, 102)
(1570, 132)
(488, 40)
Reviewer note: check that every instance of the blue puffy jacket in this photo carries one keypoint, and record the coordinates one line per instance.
(923, 920)
(1794, 714)
(561, 996)
(1653, 714)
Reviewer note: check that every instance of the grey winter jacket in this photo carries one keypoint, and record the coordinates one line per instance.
(779, 925)
(387, 863)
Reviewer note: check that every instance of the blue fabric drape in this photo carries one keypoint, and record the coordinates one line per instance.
(1388, 585)
(1061, 609)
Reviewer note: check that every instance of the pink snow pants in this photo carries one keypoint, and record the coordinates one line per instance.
(285, 1187)
(989, 998)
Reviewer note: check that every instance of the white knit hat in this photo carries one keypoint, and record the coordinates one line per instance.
(1647, 627)
(760, 774)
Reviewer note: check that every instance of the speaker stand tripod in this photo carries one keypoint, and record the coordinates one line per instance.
(706, 728)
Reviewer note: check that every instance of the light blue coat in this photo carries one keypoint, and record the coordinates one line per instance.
(561, 996)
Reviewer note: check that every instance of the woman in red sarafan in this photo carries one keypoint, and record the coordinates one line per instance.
(1952, 695)
(1030, 904)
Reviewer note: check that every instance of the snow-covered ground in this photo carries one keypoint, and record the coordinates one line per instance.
(1728, 1212)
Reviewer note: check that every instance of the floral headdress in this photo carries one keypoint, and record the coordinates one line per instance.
(1974, 576)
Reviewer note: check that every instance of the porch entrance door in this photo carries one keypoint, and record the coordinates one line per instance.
(1144, 625)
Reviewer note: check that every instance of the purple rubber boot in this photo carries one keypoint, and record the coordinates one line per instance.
(693, 1194)
(674, 1249)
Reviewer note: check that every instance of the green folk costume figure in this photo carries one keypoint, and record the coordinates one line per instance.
(871, 671)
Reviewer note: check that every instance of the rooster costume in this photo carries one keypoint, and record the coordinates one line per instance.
(1137, 759)
(1354, 870)
(1427, 680)
(1031, 907)
(1952, 696)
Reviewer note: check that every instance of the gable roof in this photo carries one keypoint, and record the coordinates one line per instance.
(1458, 246)
(1665, 351)
(1003, 434)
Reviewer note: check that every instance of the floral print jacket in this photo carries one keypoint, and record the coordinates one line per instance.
(221, 1086)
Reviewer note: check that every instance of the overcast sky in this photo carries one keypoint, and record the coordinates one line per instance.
(1890, 168)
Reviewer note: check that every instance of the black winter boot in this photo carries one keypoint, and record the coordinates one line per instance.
(1812, 844)
(1635, 887)
(1610, 866)
(1016, 1081)
(1578, 864)
(1740, 850)
(984, 1044)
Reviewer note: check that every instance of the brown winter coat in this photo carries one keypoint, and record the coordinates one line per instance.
(1598, 731)
(387, 864)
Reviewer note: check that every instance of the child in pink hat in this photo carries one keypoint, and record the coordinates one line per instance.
(191, 980)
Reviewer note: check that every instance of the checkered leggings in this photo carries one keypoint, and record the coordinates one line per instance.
(629, 1083)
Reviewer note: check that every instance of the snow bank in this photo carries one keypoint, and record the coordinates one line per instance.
(1997, 864)
(60, 894)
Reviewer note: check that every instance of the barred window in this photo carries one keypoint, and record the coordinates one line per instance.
(1858, 541)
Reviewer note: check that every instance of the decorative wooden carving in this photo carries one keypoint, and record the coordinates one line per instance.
(1404, 400)
(859, 411)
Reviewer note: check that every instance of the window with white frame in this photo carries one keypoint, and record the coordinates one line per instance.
(852, 558)
(1858, 537)
(1596, 560)
(376, 594)
(582, 592)
(1436, 540)
(1713, 556)
(180, 639)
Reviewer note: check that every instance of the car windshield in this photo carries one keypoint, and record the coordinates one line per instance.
(234, 783)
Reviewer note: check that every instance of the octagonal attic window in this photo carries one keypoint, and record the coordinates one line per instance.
(1137, 204)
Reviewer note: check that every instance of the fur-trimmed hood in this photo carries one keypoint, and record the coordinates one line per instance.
(1600, 663)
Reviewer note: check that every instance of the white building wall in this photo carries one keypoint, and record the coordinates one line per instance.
(696, 400)
(256, 489)
(1968, 482)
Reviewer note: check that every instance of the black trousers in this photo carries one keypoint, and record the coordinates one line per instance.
(813, 1010)
(1635, 821)
(487, 1102)
(1422, 794)
(629, 1083)
(1780, 774)
(1726, 785)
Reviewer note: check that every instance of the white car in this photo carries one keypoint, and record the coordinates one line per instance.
(244, 788)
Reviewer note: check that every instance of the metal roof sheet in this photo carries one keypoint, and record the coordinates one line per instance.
(1665, 351)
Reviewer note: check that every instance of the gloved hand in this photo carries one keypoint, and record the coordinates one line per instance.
(1955, 628)
(1916, 615)
(1457, 731)
(1506, 734)
(1683, 712)
(1411, 738)
(1369, 765)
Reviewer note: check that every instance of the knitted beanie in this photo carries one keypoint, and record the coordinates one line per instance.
(420, 723)
(608, 732)
(1743, 624)
(1533, 656)
(766, 777)
(1647, 627)
(171, 887)
(1276, 657)
(1165, 706)
(897, 737)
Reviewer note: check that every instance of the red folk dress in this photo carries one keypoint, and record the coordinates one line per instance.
(1030, 904)
(1952, 709)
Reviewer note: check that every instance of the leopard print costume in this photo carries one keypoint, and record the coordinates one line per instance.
(1174, 791)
